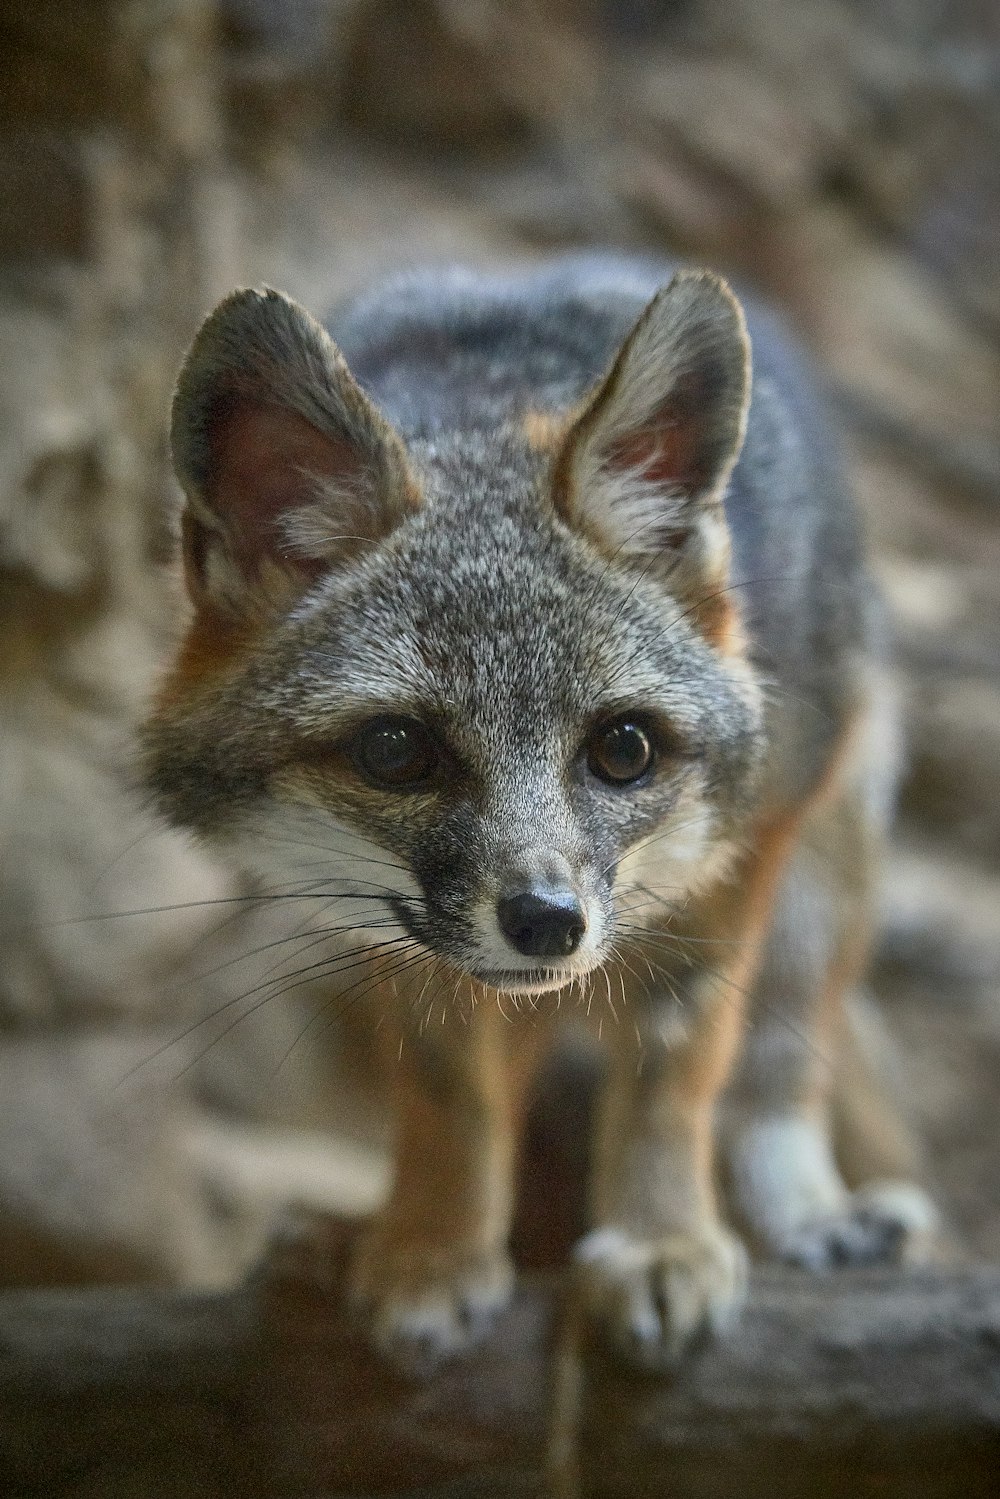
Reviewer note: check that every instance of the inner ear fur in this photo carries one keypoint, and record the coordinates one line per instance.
(286, 464)
(644, 468)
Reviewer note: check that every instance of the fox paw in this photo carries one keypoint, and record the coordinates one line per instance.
(652, 1298)
(425, 1302)
(883, 1223)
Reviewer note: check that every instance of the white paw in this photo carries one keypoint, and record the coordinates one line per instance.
(426, 1302)
(652, 1298)
(883, 1223)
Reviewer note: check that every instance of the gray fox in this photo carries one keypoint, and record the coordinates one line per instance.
(529, 634)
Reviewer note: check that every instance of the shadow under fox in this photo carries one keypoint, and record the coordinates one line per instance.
(540, 652)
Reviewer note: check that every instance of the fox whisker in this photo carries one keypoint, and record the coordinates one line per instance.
(405, 960)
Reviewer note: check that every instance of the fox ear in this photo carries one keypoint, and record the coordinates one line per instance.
(286, 464)
(645, 467)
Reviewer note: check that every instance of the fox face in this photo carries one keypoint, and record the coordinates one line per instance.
(494, 680)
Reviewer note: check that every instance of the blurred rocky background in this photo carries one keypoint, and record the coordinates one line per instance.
(840, 156)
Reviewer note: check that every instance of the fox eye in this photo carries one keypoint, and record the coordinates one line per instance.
(619, 752)
(395, 752)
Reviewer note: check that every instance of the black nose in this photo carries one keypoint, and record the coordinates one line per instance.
(542, 923)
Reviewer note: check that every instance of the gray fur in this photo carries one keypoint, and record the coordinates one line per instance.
(489, 618)
(545, 338)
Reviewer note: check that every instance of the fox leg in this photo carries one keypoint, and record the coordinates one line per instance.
(873, 1139)
(433, 1268)
(659, 1267)
(802, 1063)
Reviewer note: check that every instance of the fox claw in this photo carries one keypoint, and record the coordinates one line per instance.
(427, 1303)
(883, 1223)
(653, 1298)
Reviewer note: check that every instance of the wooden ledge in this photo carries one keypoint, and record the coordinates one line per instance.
(857, 1384)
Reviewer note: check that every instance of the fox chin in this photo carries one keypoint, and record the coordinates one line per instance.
(533, 643)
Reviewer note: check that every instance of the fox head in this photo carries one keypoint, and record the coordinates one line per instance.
(487, 680)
